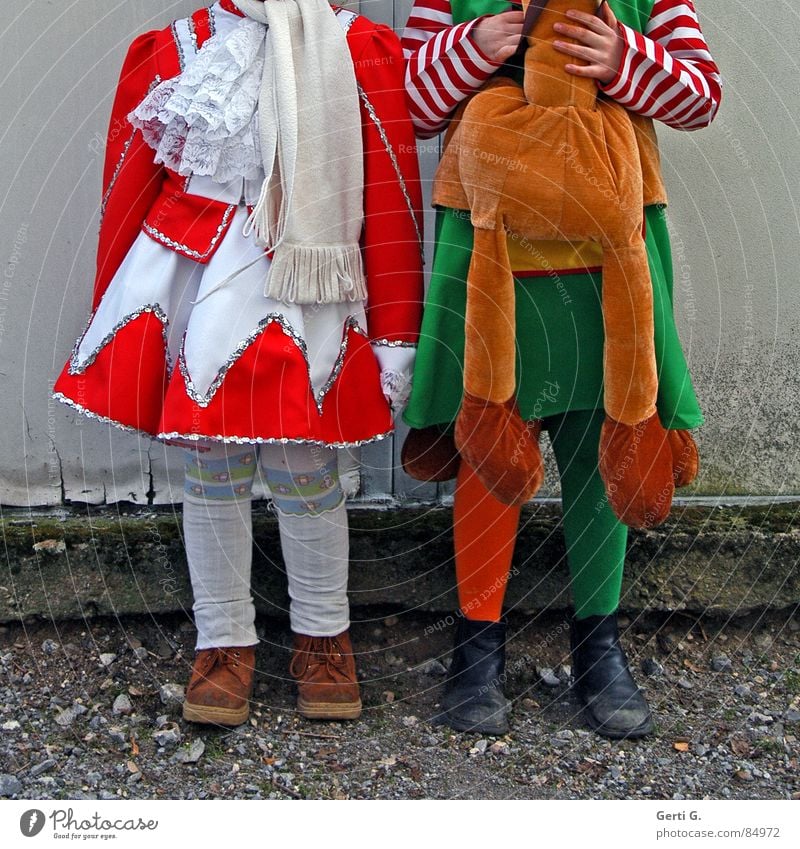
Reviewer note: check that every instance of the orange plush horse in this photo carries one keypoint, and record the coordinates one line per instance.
(590, 168)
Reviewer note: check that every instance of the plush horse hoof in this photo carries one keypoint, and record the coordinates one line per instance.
(430, 454)
(501, 448)
(636, 464)
(685, 458)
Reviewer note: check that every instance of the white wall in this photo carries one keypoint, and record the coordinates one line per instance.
(734, 206)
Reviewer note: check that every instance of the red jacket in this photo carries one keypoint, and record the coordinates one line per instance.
(139, 194)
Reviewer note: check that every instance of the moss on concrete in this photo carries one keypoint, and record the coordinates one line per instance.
(725, 560)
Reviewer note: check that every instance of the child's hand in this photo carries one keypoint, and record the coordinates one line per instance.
(601, 44)
(498, 35)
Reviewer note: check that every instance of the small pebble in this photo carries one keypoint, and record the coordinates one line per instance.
(685, 683)
(743, 691)
(51, 546)
(168, 736)
(432, 667)
(42, 766)
(117, 735)
(165, 650)
(122, 705)
(410, 721)
(70, 714)
(792, 716)
(171, 694)
(10, 785)
(191, 755)
(10, 725)
(140, 653)
(499, 747)
(107, 658)
(651, 667)
(721, 663)
(548, 677)
(49, 646)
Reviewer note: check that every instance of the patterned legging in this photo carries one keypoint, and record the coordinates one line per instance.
(217, 522)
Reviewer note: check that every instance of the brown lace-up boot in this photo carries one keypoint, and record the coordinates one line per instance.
(220, 686)
(325, 671)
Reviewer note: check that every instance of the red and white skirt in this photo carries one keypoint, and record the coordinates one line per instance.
(234, 367)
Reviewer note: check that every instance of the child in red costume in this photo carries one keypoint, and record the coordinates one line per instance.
(224, 322)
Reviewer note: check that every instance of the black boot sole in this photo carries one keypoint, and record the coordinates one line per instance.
(641, 730)
(493, 726)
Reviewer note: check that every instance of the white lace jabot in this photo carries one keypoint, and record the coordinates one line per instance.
(205, 121)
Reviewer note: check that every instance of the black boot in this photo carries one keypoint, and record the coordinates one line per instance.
(613, 704)
(473, 692)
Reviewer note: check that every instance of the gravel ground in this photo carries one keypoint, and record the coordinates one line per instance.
(91, 710)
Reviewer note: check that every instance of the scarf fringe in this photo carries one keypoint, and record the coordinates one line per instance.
(311, 274)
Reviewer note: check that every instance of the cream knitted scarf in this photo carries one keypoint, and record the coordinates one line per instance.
(310, 210)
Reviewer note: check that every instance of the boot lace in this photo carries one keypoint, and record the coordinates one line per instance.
(217, 658)
(322, 650)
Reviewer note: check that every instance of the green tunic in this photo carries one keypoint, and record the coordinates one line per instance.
(558, 318)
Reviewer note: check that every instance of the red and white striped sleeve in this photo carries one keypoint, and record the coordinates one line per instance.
(668, 73)
(444, 64)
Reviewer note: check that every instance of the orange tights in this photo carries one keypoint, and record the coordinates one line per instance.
(485, 531)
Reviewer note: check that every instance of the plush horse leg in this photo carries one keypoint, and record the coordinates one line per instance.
(685, 457)
(490, 433)
(636, 461)
(429, 454)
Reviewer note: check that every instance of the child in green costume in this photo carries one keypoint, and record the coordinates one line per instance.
(650, 56)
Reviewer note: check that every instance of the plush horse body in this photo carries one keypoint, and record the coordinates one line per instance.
(552, 159)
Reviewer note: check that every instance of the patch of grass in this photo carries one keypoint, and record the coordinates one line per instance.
(770, 747)
(791, 680)
(215, 748)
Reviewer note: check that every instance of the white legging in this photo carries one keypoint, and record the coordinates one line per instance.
(217, 527)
